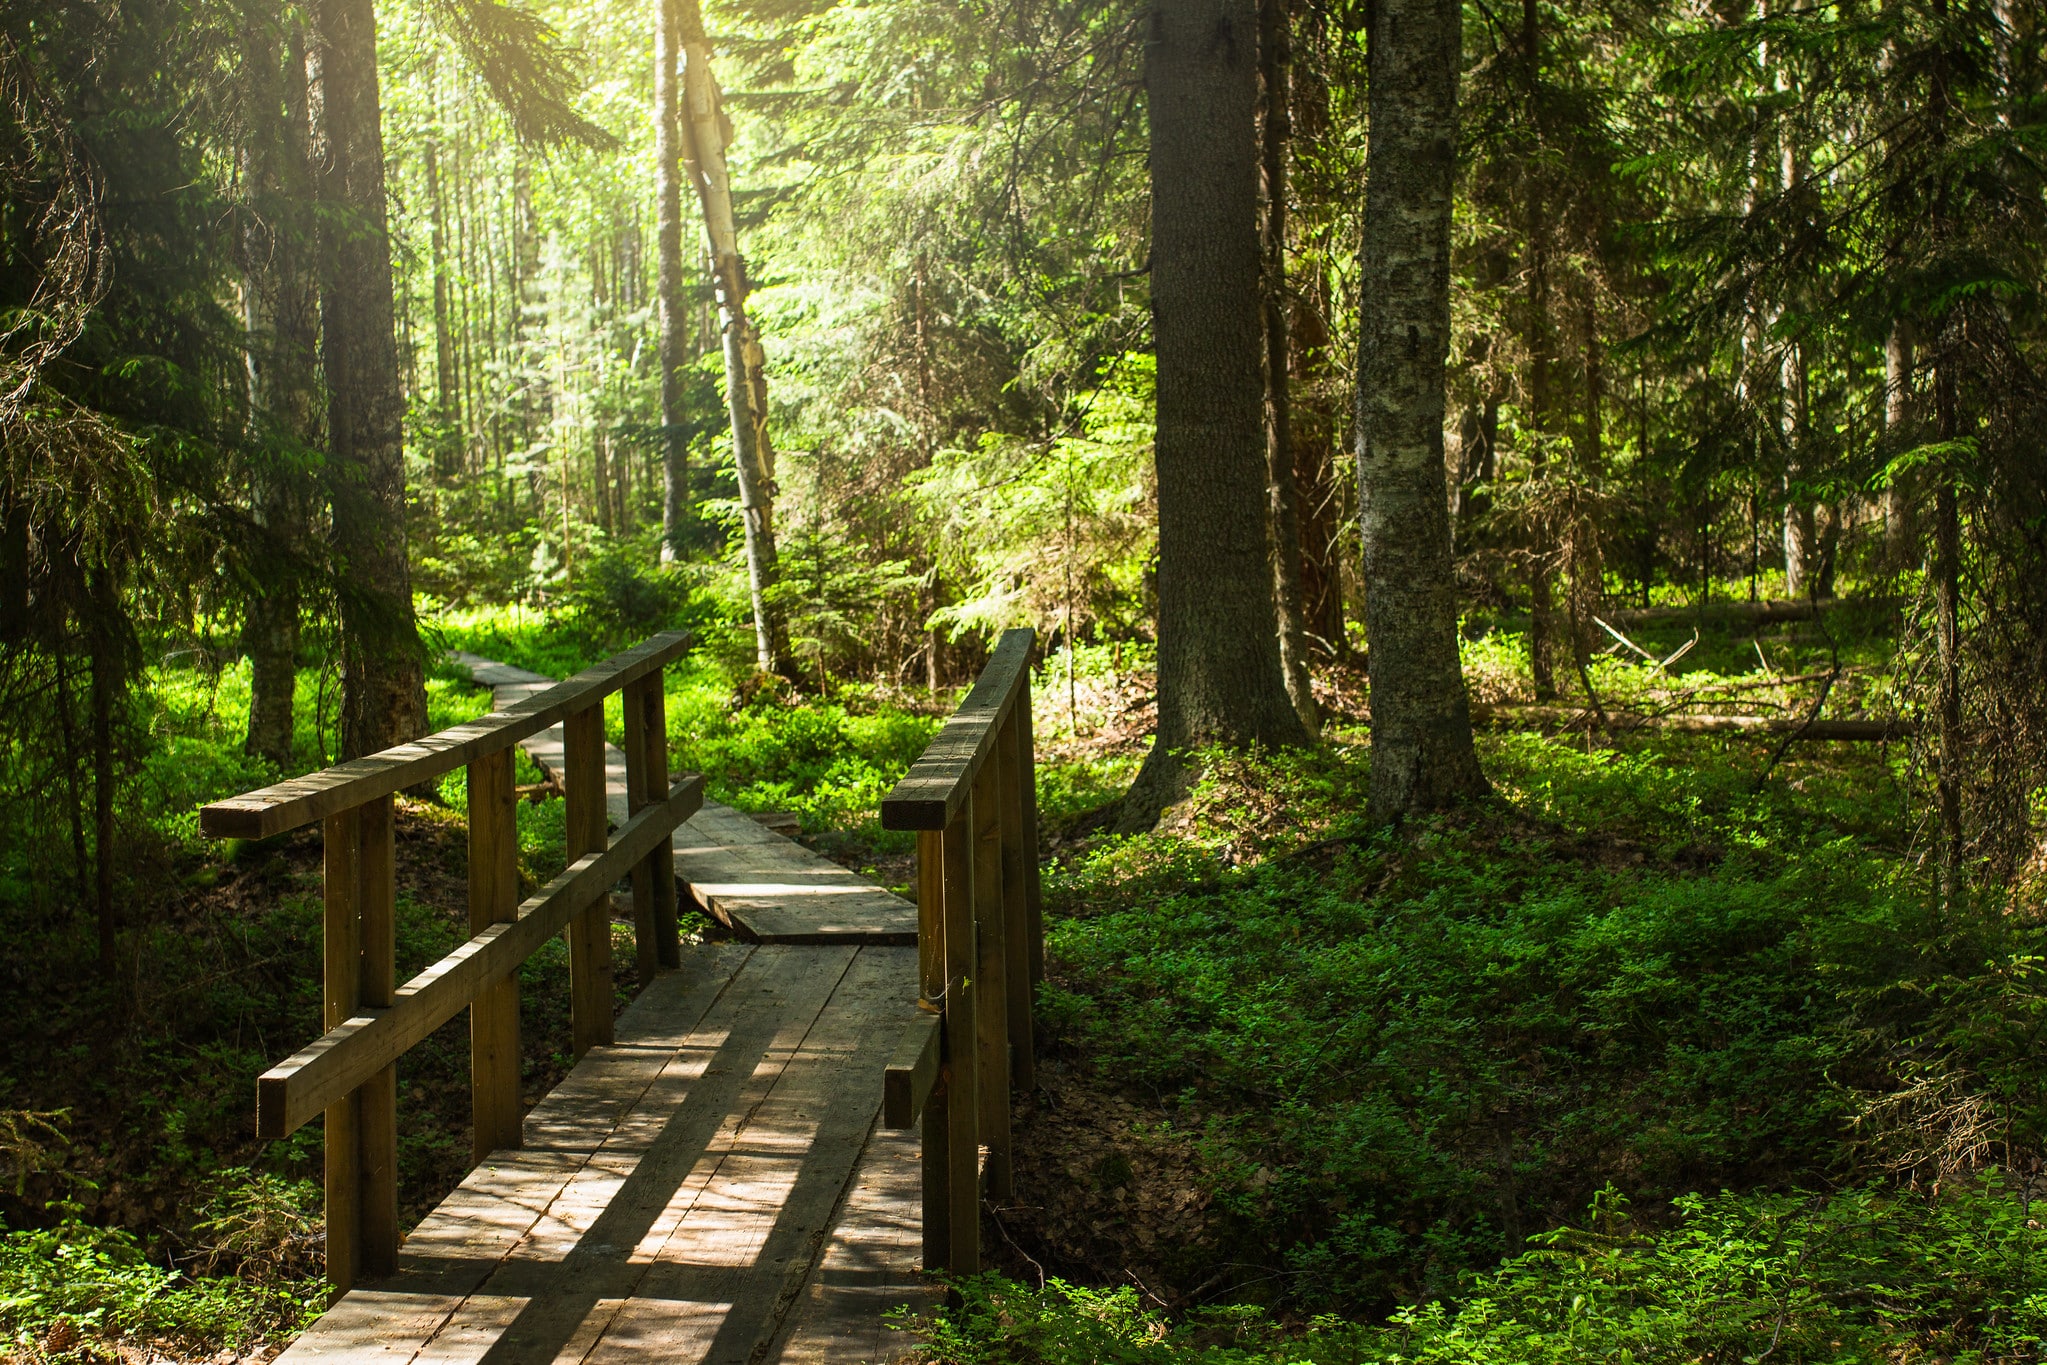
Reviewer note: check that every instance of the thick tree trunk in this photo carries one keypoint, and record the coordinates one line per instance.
(1275, 48)
(746, 384)
(1219, 664)
(668, 302)
(1422, 755)
(281, 314)
(383, 692)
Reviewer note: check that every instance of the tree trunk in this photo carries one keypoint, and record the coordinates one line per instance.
(1947, 583)
(1311, 427)
(1218, 641)
(281, 314)
(1275, 49)
(383, 692)
(1541, 609)
(447, 388)
(105, 682)
(1901, 509)
(668, 302)
(1422, 755)
(746, 386)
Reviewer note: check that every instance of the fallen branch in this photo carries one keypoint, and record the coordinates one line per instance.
(1566, 717)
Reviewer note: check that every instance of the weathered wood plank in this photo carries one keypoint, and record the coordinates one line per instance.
(757, 883)
(931, 793)
(868, 1270)
(294, 1090)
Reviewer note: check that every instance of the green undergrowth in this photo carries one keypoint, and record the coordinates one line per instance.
(1406, 1056)
(1860, 1275)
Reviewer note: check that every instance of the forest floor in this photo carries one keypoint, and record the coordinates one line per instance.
(1314, 1090)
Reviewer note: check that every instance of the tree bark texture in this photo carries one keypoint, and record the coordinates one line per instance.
(668, 301)
(706, 132)
(1275, 60)
(383, 692)
(1901, 514)
(281, 314)
(1218, 640)
(1422, 754)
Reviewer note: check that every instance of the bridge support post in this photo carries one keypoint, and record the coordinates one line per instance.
(656, 942)
(991, 982)
(589, 933)
(961, 1049)
(1014, 769)
(495, 1103)
(359, 948)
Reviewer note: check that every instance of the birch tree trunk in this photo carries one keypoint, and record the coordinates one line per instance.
(705, 134)
(1218, 640)
(1901, 519)
(668, 303)
(1422, 754)
(383, 690)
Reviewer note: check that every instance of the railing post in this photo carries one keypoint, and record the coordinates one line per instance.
(656, 943)
(936, 1133)
(962, 1105)
(1016, 928)
(495, 1104)
(991, 978)
(1027, 784)
(589, 933)
(359, 941)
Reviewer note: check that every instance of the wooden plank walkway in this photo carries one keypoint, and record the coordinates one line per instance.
(713, 1186)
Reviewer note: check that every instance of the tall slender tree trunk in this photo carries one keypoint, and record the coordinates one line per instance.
(447, 387)
(1275, 60)
(668, 302)
(1422, 754)
(1540, 332)
(1799, 527)
(383, 691)
(1218, 641)
(1901, 508)
(1311, 427)
(705, 132)
(281, 315)
(1947, 586)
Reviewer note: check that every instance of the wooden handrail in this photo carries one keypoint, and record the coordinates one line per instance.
(349, 1074)
(300, 1087)
(972, 798)
(301, 800)
(930, 794)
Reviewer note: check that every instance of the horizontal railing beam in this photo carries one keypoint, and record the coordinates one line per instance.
(288, 805)
(912, 1072)
(932, 792)
(301, 1086)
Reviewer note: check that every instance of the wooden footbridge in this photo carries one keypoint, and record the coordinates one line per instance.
(767, 1150)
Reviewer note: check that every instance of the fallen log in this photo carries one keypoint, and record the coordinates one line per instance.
(1749, 613)
(1567, 717)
